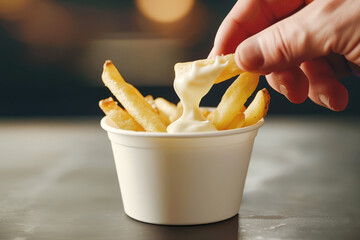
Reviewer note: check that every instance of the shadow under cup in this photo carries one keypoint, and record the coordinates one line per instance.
(182, 178)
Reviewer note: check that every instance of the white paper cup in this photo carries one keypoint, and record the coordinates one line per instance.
(182, 178)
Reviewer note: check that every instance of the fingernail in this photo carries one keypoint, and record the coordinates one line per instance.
(283, 89)
(325, 100)
(250, 55)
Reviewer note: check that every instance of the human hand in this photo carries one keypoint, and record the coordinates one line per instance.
(287, 41)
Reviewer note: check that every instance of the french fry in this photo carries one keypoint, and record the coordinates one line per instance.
(205, 112)
(230, 71)
(119, 117)
(210, 116)
(242, 109)
(234, 99)
(238, 121)
(150, 100)
(258, 108)
(132, 100)
(163, 116)
(165, 107)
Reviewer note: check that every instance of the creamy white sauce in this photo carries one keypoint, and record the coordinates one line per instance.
(191, 87)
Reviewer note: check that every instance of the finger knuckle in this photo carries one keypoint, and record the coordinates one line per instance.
(288, 42)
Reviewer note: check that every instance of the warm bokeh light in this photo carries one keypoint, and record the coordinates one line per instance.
(12, 9)
(165, 11)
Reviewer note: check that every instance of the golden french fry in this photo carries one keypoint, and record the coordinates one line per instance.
(150, 100)
(163, 116)
(210, 116)
(119, 117)
(165, 107)
(234, 99)
(243, 108)
(258, 107)
(132, 100)
(205, 112)
(238, 121)
(178, 113)
(230, 71)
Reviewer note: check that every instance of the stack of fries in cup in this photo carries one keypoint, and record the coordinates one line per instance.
(139, 113)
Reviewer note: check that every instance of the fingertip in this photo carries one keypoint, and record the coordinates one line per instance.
(300, 93)
(325, 89)
(335, 103)
(298, 99)
(292, 83)
(340, 98)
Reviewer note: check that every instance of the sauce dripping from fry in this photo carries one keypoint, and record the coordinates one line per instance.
(191, 87)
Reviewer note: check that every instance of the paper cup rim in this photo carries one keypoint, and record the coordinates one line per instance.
(119, 131)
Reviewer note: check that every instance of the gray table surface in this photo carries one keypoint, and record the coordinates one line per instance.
(58, 181)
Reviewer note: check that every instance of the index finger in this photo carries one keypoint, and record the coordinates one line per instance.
(249, 17)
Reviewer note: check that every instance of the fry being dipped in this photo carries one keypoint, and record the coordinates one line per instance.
(231, 69)
(193, 80)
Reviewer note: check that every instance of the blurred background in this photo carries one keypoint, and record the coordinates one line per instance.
(52, 52)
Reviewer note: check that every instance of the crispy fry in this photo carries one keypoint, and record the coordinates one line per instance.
(230, 71)
(205, 112)
(165, 107)
(238, 121)
(150, 100)
(234, 99)
(163, 116)
(258, 107)
(132, 100)
(119, 117)
(243, 108)
(210, 116)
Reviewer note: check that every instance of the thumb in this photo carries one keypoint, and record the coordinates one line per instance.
(305, 35)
